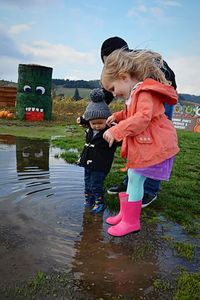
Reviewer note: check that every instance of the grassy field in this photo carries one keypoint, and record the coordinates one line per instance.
(65, 111)
(178, 199)
(69, 92)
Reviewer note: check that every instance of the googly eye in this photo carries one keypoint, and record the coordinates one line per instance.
(39, 154)
(27, 88)
(40, 90)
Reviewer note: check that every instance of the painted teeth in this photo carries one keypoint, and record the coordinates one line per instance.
(34, 109)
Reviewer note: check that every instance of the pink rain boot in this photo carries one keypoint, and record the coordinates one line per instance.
(130, 219)
(123, 197)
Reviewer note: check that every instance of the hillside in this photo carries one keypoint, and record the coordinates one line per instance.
(69, 92)
(66, 88)
(189, 98)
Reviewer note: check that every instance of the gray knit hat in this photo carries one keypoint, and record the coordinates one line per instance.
(97, 108)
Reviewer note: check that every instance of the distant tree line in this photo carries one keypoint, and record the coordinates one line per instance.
(189, 98)
(66, 83)
(91, 84)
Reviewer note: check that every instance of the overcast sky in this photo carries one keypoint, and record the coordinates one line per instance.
(67, 35)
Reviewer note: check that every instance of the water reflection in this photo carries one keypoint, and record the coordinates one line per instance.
(33, 164)
(40, 208)
(32, 154)
(110, 266)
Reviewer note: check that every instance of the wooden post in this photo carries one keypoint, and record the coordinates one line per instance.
(7, 96)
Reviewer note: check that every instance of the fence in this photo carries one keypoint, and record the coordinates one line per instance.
(7, 96)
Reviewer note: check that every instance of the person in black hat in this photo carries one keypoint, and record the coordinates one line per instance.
(97, 156)
(151, 187)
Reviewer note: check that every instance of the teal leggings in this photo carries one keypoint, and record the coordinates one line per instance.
(135, 188)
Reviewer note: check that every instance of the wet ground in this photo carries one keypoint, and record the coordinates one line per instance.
(45, 228)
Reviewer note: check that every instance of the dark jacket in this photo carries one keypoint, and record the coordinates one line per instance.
(96, 154)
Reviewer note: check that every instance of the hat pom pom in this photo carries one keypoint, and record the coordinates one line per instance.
(97, 95)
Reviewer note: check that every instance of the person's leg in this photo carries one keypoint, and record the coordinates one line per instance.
(131, 209)
(119, 188)
(123, 198)
(125, 181)
(151, 186)
(169, 110)
(135, 188)
(89, 201)
(97, 182)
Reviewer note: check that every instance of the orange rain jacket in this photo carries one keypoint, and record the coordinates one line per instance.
(149, 137)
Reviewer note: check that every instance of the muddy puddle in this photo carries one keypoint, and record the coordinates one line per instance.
(45, 228)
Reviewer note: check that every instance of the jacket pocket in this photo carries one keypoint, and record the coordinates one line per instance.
(144, 138)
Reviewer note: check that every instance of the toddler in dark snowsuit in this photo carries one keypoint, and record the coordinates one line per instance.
(97, 156)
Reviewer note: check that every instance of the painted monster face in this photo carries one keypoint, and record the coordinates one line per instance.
(33, 101)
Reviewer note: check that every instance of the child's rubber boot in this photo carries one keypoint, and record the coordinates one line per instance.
(89, 200)
(99, 206)
(130, 221)
(123, 197)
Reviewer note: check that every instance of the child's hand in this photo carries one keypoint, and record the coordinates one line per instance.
(110, 120)
(78, 120)
(108, 137)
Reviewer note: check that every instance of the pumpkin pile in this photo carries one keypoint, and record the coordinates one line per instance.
(6, 114)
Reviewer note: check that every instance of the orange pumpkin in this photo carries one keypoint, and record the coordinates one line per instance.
(6, 114)
(1, 113)
(10, 115)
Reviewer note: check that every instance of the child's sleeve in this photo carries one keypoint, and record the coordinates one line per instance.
(138, 122)
(120, 115)
(83, 122)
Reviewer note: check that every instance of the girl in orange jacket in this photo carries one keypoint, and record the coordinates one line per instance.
(149, 140)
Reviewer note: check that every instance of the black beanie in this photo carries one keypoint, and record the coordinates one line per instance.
(111, 45)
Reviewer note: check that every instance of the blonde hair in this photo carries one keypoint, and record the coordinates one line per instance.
(140, 64)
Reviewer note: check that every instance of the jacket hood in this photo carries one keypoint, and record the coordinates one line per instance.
(168, 93)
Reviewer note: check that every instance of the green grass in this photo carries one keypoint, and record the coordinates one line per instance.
(183, 249)
(42, 130)
(69, 92)
(188, 287)
(179, 198)
(45, 286)
(161, 285)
